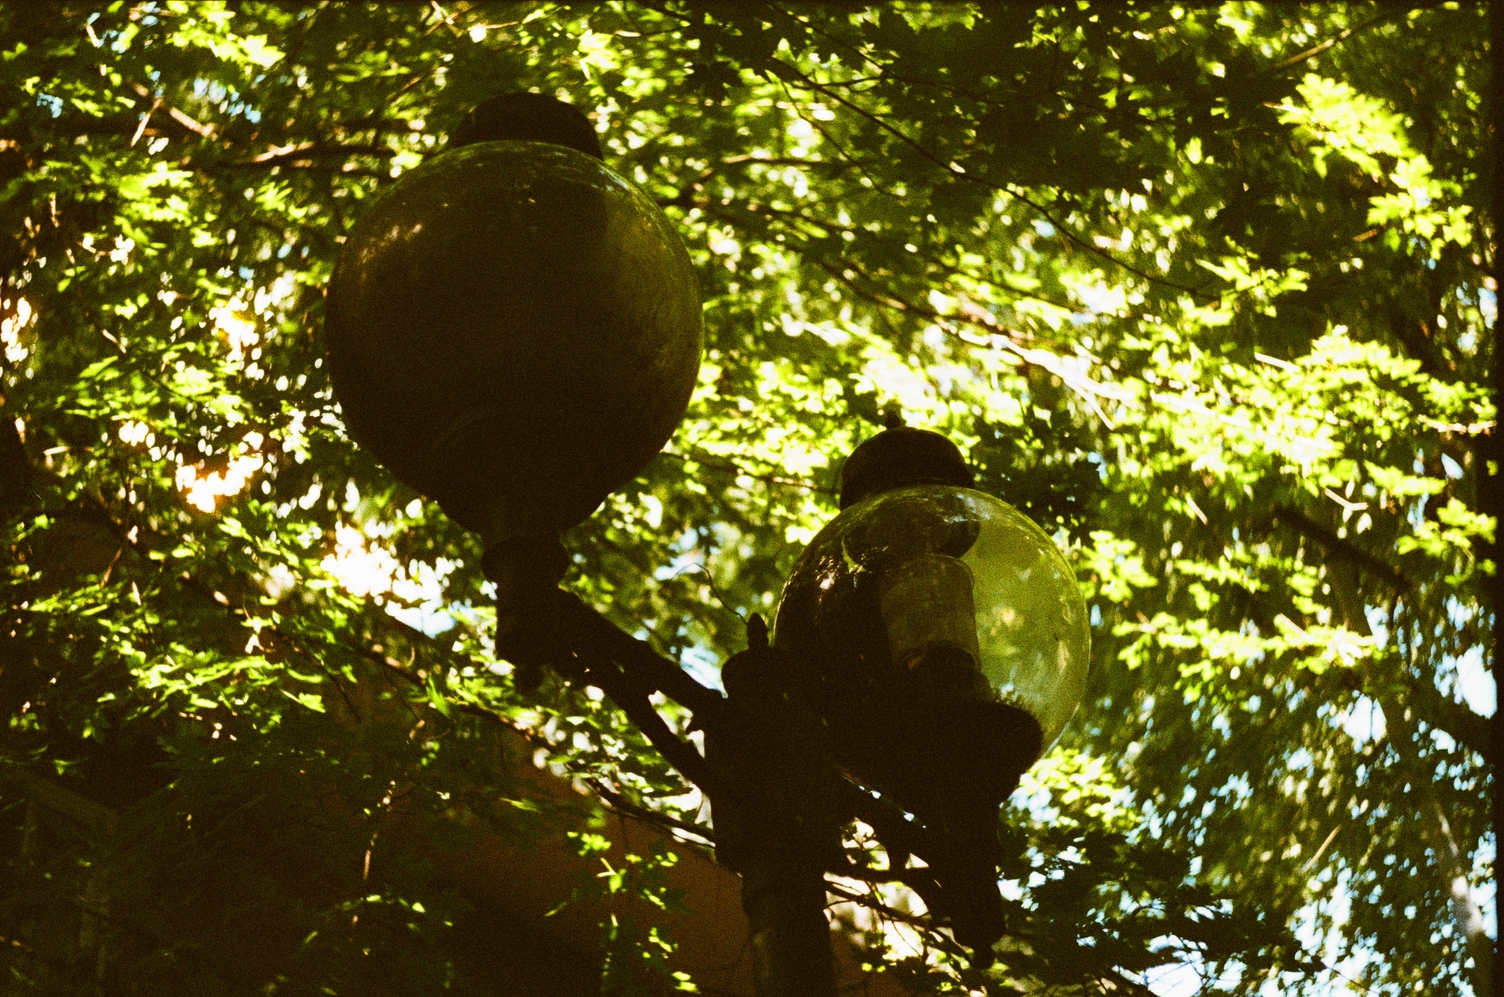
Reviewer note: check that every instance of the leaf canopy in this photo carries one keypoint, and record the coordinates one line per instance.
(1204, 291)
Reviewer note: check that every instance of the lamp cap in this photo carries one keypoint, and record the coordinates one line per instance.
(528, 117)
(901, 456)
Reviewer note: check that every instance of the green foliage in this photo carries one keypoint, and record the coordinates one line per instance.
(635, 959)
(1203, 291)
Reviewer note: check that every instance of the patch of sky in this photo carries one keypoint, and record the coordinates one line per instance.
(1363, 721)
(1099, 298)
(1475, 682)
(1044, 228)
(686, 562)
(1488, 304)
(1486, 887)
(1186, 976)
(703, 666)
(1101, 464)
(1378, 622)
(1039, 805)
(1326, 945)
(1458, 612)
(653, 511)
(1236, 788)
(432, 618)
(1417, 514)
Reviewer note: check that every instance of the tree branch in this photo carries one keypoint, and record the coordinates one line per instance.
(197, 127)
(15, 467)
(949, 267)
(1469, 729)
(307, 150)
(1341, 549)
(1340, 37)
(95, 816)
(731, 467)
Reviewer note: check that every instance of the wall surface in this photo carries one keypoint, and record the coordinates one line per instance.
(515, 886)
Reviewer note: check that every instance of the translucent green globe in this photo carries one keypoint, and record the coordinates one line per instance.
(936, 628)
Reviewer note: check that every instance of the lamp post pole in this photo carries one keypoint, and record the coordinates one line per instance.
(778, 803)
(775, 796)
(514, 330)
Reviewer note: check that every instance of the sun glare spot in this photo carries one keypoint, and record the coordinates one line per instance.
(230, 320)
(203, 490)
(136, 434)
(18, 315)
(122, 251)
(360, 570)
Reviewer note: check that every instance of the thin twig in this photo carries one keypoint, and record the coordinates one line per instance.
(952, 268)
(667, 821)
(144, 119)
(1003, 188)
(731, 467)
(1341, 36)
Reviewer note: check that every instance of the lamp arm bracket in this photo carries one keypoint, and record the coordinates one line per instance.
(629, 671)
(593, 638)
(677, 752)
(597, 652)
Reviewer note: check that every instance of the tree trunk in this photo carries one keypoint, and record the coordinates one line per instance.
(1400, 728)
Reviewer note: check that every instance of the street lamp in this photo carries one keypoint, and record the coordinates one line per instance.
(514, 330)
(941, 637)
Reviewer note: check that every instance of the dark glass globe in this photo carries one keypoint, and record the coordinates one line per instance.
(514, 330)
(941, 636)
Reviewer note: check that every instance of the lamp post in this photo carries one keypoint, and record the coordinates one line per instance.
(514, 330)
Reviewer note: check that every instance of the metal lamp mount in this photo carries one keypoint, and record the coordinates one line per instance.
(417, 353)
